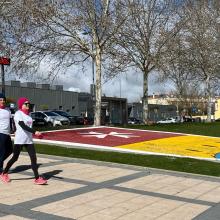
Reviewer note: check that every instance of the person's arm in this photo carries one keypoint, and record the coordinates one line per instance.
(26, 128)
(12, 125)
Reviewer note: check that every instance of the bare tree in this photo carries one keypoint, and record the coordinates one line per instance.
(176, 70)
(190, 102)
(174, 65)
(202, 36)
(192, 61)
(4, 36)
(65, 33)
(150, 26)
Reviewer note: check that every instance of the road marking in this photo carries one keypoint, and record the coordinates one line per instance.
(103, 135)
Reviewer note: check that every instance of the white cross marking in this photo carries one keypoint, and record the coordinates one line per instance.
(102, 135)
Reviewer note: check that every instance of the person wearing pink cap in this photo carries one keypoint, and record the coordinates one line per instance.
(24, 137)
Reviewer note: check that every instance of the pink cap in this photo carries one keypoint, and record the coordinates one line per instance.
(21, 101)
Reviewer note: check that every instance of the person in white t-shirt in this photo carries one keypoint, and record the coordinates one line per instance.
(23, 137)
(5, 130)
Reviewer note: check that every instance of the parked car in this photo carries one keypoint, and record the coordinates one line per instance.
(133, 120)
(89, 120)
(80, 120)
(72, 119)
(167, 121)
(188, 119)
(38, 120)
(51, 118)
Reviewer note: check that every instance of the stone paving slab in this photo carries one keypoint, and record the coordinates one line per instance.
(87, 190)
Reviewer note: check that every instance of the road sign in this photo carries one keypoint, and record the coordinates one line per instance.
(4, 61)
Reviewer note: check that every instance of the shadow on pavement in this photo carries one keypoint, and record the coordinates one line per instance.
(52, 174)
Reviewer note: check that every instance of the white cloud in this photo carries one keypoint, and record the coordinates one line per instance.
(130, 86)
(72, 89)
(127, 85)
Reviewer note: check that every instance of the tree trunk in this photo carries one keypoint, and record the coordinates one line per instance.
(145, 98)
(98, 91)
(209, 104)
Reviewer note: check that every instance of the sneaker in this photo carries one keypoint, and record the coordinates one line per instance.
(40, 181)
(5, 177)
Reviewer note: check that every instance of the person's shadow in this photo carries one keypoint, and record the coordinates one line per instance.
(21, 168)
(47, 175)
(52, 174)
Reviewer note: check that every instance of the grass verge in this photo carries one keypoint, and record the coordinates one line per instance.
(162, 162)
(207, 129)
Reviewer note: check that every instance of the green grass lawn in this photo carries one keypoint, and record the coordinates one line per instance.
(208, 129)
(161, 162)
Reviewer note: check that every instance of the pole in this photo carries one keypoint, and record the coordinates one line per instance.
(93, 84)
(93, 69)
(93, 72)
(120, 84)
(93, 62)
(3, 78)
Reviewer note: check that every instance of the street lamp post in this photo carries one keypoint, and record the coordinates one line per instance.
(93, 89)
(3, 78)
(3, 61)
(92, 86)
(93, 69)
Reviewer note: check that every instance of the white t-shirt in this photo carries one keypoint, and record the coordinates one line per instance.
(5, 116)
(22, 136)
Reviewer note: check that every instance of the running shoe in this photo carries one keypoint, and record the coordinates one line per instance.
(5, 177)
(40, 181)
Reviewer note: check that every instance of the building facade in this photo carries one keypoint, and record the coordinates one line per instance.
(113, 109)
(43, 96)
(196, 108)
(47, 97)
(156, 111)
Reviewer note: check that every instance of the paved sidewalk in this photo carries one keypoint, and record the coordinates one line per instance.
(92, 190)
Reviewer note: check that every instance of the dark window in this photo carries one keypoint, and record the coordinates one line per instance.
(40, 115)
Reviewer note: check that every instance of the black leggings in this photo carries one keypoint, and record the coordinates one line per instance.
(32, 153)
(5, 148)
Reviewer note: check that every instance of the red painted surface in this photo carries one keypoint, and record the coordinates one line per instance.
(79, 136)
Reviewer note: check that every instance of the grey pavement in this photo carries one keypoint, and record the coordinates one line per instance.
(93, 190)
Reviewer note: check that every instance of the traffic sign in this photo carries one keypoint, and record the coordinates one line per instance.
(4, 61)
